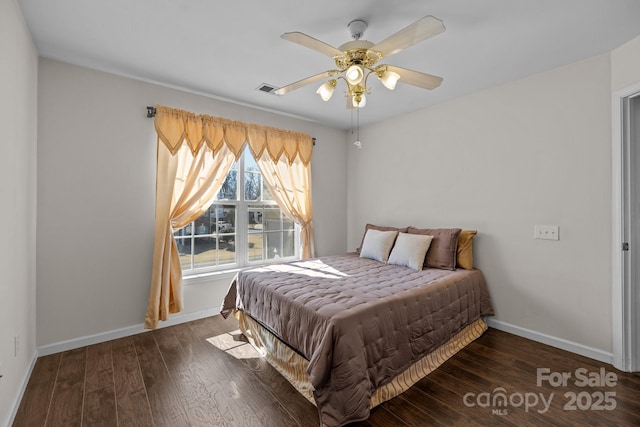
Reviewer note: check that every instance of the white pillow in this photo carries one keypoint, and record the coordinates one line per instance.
(410, 250)
(377, 244)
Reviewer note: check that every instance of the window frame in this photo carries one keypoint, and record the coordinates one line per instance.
(242, 261)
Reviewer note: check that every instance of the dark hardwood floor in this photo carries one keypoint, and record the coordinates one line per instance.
(203, 373)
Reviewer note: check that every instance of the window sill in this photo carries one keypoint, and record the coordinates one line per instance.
(195, 279)
(209, 276)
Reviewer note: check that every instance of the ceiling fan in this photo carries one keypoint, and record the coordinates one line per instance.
(356, 61)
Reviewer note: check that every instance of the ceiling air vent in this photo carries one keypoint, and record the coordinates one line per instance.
(265, 87)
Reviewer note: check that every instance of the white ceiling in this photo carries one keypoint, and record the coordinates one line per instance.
(228, 48)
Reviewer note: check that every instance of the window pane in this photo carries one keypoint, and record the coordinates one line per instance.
(252, 185)
(226, 235)
(204, 252)
(214, 213)
(288, 244)
(226, 251)
(250, 163)
(287, 224)
(229, 189)
(271, 219)
(266, 194)
(226, 219)
(255, 218)
(254, 248)
(184, 251)
(274, 242)
(202, 225)
(252, 177)
(211, 240)
(184, 231)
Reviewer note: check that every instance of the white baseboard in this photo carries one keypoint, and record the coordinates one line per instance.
(583, 350)
(120, 333)
(16, 404)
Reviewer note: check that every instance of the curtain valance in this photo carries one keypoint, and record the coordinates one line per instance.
(177, 127)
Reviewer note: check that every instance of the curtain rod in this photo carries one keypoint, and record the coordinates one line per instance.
(151, 112)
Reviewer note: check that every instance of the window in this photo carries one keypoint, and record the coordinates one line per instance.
(240, 228)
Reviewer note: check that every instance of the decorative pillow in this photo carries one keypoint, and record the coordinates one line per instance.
(443, 250)
(410, 250)
(380, 228)
(465, 249)
(377, 244)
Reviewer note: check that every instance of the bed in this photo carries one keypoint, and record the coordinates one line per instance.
(351, 332)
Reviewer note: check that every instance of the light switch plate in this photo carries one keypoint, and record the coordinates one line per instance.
(546, 232)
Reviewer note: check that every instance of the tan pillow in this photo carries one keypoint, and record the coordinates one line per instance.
(465, 249)
(379, 228)
(443, 250)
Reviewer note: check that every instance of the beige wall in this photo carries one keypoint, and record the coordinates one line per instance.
(18, 109)
(96, 164)
(625, 65)
(625, 82)
(534, 151)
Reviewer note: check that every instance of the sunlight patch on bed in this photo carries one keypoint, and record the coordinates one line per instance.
(235, 344)
(310, 268)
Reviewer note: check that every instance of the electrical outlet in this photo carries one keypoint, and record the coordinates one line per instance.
(16, 345)
(547, 232)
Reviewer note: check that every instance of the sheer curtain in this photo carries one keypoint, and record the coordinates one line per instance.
(285, 162)
(195, 153)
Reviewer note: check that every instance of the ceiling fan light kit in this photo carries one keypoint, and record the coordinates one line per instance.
(389, 79)
(358, 97)
(356, 61)
(326, 89)
(354, 74)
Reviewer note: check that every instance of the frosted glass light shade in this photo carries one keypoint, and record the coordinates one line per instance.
(358, 103)
(354, 74)
(389, 79)
(326, 90)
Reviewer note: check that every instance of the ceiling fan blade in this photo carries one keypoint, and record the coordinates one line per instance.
(300, 83)
(420, 30)
(416, 78)
(314, 44)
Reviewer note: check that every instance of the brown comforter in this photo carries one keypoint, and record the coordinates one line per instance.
(359, 322)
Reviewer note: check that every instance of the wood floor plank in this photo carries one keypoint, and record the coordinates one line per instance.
(201, 408)
(450, 392)
(624, 388)
(203, 373)
(131, 396)
(381, 417)
(241, 384)
(512, 382)
(411, 414)
(300, 409)
(443, 415)
(214, 381)
(100, 408)
(36, 400)
(166, 405)
(100, 396)
(627, 405)
(99, 367)
(68, 392)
